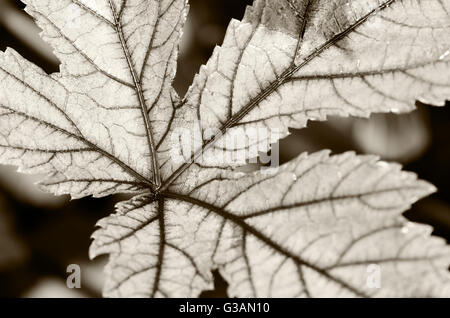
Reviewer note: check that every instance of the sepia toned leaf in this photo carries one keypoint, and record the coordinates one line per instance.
(310, 230)
(292, 61)
(318, 226)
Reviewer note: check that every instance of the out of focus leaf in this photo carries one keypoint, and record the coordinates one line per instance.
(24, 29)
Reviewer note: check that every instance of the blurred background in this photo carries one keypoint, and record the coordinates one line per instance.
(40, 235)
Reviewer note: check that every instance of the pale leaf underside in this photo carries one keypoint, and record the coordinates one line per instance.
(105, 123)
(292, 61)
(95, 125)
(311, 230)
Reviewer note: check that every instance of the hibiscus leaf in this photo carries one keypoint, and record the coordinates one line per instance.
(111, 122)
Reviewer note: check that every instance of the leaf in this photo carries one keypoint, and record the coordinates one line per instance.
(154, 250)
(292, 61)
(14, 250)
(111, 122)
(95, 124)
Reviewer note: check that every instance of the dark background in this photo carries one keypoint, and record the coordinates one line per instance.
(40, 235)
